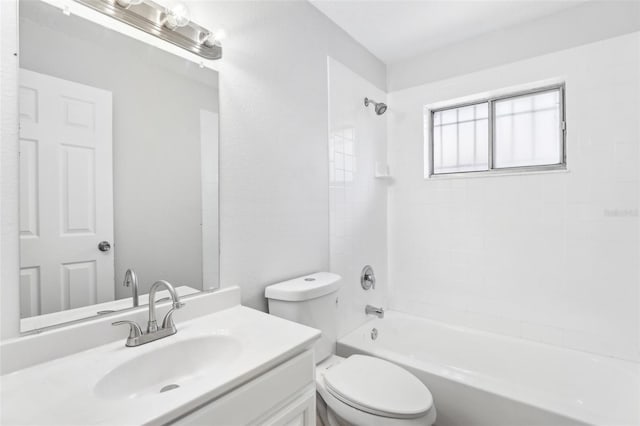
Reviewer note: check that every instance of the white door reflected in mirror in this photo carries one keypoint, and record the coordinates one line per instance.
(66, 194)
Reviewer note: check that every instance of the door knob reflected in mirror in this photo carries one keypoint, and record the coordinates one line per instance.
(104, 246)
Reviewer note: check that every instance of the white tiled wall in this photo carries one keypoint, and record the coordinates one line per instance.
(357, 201)
(549, 257)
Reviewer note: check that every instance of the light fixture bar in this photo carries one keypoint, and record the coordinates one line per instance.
(151, 17)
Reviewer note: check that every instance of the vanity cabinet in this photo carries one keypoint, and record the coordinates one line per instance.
(284, 396)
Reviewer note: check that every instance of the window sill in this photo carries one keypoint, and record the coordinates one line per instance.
(496, 173)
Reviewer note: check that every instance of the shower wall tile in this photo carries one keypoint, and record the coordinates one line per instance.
(357, 201)
(550, 257)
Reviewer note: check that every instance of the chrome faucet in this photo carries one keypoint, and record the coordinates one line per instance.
(152, 325)
(372, 310)
(136, 336)
(131, 280)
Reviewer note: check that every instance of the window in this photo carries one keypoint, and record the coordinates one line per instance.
(520, 131)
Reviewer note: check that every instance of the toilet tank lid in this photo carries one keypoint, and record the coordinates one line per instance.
(306, 287)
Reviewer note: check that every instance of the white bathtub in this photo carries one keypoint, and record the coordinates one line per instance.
(480, 378)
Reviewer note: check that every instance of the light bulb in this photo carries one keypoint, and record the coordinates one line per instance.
(177, 15)
(219, 35)
(127, 3)
(215, 39)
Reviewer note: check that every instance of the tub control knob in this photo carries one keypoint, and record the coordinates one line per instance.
(368, 278)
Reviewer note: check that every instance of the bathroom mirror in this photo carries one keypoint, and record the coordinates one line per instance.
(118, 169)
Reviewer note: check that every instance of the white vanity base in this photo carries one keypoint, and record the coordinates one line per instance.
(285, 395)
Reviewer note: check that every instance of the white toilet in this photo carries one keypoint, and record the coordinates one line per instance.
(358, 390)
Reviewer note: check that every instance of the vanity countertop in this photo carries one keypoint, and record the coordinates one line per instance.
(70, 391)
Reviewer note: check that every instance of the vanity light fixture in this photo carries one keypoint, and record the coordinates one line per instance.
(215, 39)
(176, 16)
(171, 23)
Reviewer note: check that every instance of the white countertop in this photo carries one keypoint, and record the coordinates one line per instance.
(62, 391)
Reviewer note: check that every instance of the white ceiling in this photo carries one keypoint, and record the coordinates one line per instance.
(395, 30)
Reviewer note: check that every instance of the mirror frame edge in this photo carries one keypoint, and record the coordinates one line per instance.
(9, 161)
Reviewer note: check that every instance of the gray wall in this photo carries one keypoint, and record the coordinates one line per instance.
(157, 99)
(273, 123)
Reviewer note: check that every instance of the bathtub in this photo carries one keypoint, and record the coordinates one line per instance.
(480, 378)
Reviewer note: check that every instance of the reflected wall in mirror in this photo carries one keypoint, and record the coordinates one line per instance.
(118, 169)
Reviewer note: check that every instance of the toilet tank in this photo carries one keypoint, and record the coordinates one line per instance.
(311, 300)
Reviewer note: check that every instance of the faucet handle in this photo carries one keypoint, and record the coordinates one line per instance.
(167, 321)
(134, 328)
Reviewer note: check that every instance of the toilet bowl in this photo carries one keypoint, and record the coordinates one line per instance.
(358, 390)
(363, 390)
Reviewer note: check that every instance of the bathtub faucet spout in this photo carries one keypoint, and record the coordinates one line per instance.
(372, 310)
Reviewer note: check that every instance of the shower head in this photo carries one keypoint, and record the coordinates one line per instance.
(380, 107)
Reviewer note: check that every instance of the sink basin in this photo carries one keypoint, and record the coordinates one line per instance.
(168, 367)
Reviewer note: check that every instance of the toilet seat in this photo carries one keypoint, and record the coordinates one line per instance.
(377, 387)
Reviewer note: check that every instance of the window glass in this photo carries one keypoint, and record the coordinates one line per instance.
(460, 139)
(527, 130)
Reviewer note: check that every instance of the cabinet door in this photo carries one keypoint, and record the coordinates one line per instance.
(265, 397)
(300, 412)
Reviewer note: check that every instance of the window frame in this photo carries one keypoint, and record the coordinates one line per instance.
(490, 101)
